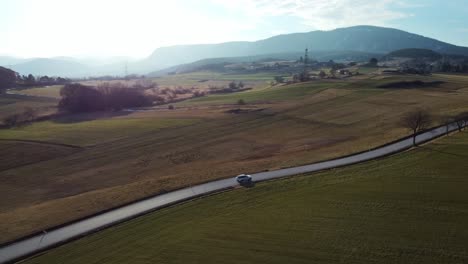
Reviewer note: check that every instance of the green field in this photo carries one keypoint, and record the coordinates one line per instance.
(409, 208)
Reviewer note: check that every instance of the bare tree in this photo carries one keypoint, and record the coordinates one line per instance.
(461, 120)
(29, 114)
(12, 120)
(417, 121)
(446, 121)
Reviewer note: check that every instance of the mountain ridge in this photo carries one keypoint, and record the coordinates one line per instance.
(370, 39)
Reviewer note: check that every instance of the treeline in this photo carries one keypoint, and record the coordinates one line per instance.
(11, 79)
(232, 87)
(111, 78)
(31, 80)
(447, 66)
(77, 98)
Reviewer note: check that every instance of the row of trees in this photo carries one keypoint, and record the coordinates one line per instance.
(10, 79)
(30, 80)
(420, 120)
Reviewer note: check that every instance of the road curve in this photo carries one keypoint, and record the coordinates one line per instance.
(41, 242)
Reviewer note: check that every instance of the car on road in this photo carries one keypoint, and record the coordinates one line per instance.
(244, 178)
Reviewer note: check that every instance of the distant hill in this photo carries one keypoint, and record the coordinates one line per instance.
(52, 67)
(214, 63)
(7, 61)
(360, 38)
(414, 54)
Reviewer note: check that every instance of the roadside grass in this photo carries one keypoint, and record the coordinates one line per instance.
(52, 91)
(299, 124)
(411, 207)
(91, 132)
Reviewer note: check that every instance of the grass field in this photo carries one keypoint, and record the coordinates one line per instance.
(409, 208)
(52, 91)
(15, 104)
(128, 156)
(17, 153)
(91, 132)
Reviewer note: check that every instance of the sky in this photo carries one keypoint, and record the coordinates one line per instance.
(135, 28)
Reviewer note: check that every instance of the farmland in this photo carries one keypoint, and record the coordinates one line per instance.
(48, 91)
(122, 156)
(411, 207)
(14, 104)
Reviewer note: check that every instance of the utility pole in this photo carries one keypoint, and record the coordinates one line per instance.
(306, 57)
(126, 70)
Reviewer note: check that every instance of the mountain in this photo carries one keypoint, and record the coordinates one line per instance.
(334, 44)
(359, 38)
(52, 67)
(9, 60)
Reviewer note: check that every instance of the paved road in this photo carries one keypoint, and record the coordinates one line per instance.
(58, 236)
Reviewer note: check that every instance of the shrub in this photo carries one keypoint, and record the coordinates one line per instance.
(198, 94)
(80, 98)
(241, 102)
(279, 79)
(12, 120)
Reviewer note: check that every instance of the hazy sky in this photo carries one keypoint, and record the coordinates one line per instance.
(44, 28)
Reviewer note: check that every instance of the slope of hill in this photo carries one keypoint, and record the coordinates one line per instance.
(414, 54)
(7, 61)
(360, 38)
(216, 63)
(55, 67)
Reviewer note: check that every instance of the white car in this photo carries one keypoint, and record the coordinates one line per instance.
(244, 178)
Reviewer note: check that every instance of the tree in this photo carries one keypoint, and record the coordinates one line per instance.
(12, 120)
(30, 80)
(322, 74)
(241, 85)
(279, 79)
(171, 107)
(7, 78)
(333, 72)
(373, 62)
(461, 120)
(241, 102)
(232, 85)
(447, 120)
(80, 98)
(29, 114)
(416, 121)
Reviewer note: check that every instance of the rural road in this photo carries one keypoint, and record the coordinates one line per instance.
(43, 241)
